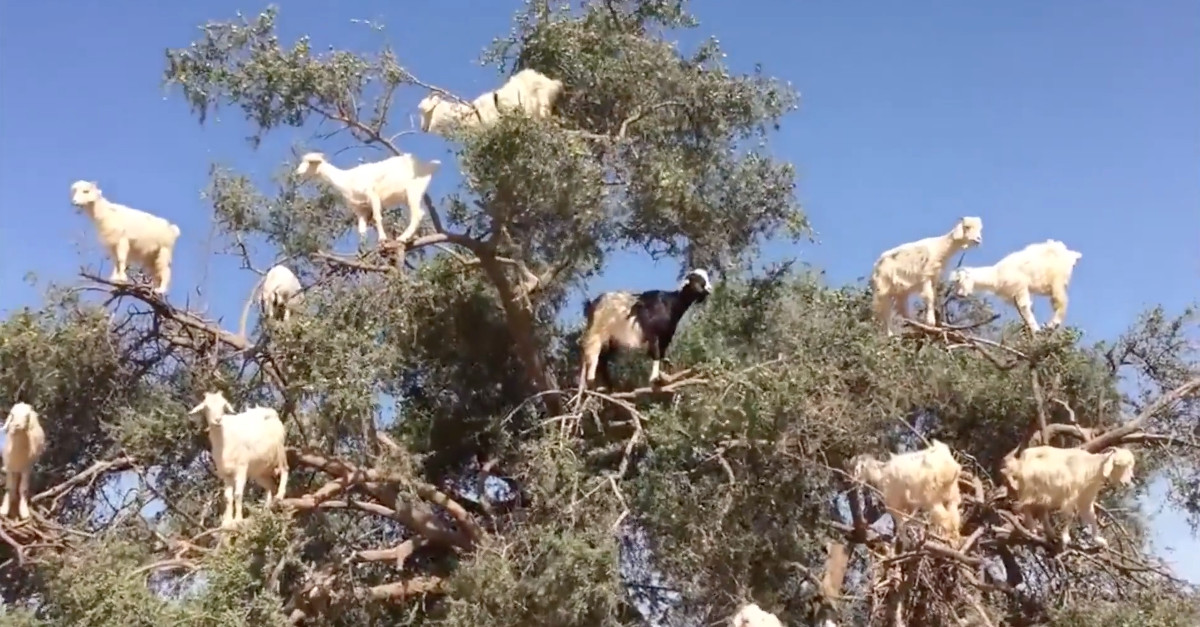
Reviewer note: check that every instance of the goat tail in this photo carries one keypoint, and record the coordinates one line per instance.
(175, 229)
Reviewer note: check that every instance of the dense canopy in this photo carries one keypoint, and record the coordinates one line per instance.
(444, 471)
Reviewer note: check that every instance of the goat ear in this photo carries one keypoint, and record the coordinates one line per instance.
(1106, 469)
(197, 409)
(229, 408)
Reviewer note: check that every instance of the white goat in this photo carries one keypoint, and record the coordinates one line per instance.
(1041, 268)
(919, 480)
(529, 91)
(369, 187)
(279, 288)
(277, 291)
(24, 443)
(751, 615)
(250, 444)
(129, 234)
(439, 113)
(1047, 478)
(916, 267)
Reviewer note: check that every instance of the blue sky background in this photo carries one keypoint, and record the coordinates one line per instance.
(1068, 120)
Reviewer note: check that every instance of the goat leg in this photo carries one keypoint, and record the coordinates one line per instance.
(283, 481)
(239, 491)
(656, 354)
(227, 517)
(10, 490)
(23, 503)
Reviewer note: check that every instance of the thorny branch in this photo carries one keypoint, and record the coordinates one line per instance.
(349, 487)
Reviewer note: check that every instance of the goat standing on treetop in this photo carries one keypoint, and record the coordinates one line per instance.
(1039, 268)
(369, 187)
(129, 234)
(925, 479)
(628, 321)
(916, 268)
(1048, 478)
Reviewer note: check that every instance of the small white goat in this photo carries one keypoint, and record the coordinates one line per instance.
(1047, 478)
(279, 287)
(919, 480)
(439, 113)
(1041, 268)
(369, 187)
(129, 234)
(751, 615)
(250, 444)
(24, 443)
(529, 91)
(916, 267)
(278, 290)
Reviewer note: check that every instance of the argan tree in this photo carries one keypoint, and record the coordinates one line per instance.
(445, 470)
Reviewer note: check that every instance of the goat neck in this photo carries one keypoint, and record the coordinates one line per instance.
(332, 174)
(684, 299)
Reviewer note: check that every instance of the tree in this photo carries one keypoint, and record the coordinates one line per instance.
(443, 472)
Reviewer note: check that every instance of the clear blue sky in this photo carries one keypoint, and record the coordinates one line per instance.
(1077, 121)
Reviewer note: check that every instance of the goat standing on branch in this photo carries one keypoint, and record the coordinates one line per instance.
(439, 113)
(1040, 268)
(530, 92)
(24, 442)
(278, 290)
(250, 444)
(919, 480)
(1047, 478)
(369, 187)
(916, 267)
(626, 321)
(129, 234)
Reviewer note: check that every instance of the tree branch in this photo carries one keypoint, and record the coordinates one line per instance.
(1115, 436)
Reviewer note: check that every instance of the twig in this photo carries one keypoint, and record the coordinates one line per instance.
(612, 481)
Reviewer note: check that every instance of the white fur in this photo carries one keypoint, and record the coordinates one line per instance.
(920, 480)
(915, 268)
(528, 91)
(1048, 478)
(531, 92)
(250, 444)
(439, 114)
(129, 234)
(24, 443)
(1041, 268)
(369, 187)
(280, 290)
(751, 615)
